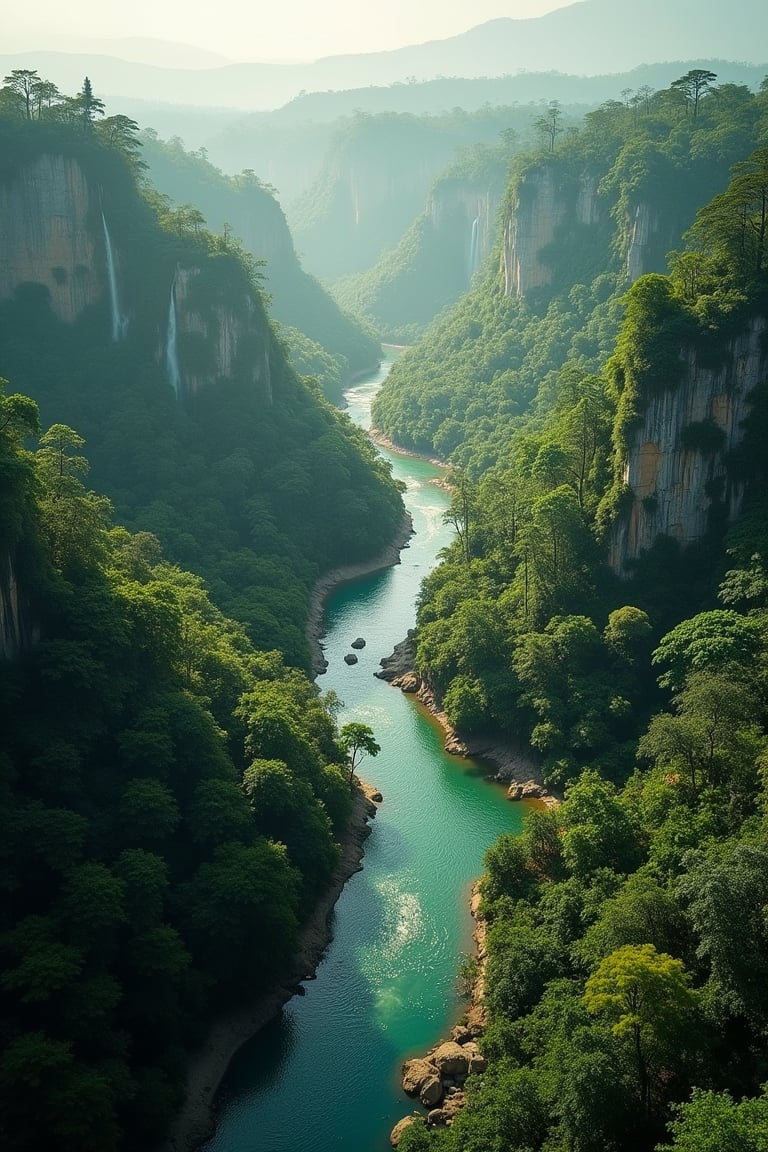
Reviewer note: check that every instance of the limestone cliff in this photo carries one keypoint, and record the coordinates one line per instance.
(465, 214)
(674, 478)
(48, 235)
(219, 334)
(53, 232)
(649, 237)
(543, 207)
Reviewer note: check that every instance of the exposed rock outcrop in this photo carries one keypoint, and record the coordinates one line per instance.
(454, 207)
(48, 235)
(674, 479)
(650, 238)
(542, 207)
(15, 632)
(233, 333)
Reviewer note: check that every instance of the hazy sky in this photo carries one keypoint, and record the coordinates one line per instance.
(265, 29)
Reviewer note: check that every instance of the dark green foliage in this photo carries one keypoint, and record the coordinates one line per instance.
(154, 873)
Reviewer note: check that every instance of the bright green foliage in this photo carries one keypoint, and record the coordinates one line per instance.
(712, 1122)
(357, 740)
(646, 997)
(597, 830)
(725, 889)
(707, 642)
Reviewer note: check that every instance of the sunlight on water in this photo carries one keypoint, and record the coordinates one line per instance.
(325, 1077)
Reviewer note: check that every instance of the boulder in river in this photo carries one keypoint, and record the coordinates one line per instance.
(350, 658)
(431, 1091)
(401, 1126)
(359, 643)
(451, 1060)
(415, 1075)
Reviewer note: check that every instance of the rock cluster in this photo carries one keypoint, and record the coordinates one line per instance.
(438, 1079)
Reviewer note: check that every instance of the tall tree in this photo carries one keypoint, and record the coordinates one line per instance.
(693, 86)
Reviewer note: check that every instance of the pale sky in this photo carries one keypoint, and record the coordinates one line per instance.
(259, 29)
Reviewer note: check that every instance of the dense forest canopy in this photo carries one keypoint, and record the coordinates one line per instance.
(626, 942)
(172, 804)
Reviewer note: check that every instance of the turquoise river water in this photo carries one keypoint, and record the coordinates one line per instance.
(324, 1076)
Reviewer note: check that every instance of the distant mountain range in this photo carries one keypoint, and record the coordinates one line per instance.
(594, 36)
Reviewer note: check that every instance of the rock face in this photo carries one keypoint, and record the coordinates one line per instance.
(54, 233)
(675, 483)
(650, 238)
(402, 660)
(543, 206)
(218, 336)
(50, 234)
(457, 210)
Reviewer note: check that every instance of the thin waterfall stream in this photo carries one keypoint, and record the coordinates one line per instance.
(325, 1075)
(171, 346)
(119, 321)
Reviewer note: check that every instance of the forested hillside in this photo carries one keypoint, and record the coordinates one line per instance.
(439, 256)
(605, 602)
(375, 179)
(171, 802)
(247, 207)
(581, 220)
(127, 319)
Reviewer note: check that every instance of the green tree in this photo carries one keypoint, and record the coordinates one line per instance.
(548, 125)
(693, 86)
(357, 741)
(89, 106)
(23, 81)
(646, 997)
(714, 1122)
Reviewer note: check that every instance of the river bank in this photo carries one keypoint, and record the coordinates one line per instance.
(195, 1122)
(384, 441)
(438, 1077)
(514, 765)
(315, 629)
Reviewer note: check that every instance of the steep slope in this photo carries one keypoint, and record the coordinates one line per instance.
(155, 343)
(375, 182)
(250, 210)
(441, 253)
(577, 226)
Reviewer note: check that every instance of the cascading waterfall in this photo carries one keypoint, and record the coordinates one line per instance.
(119, 322)
(171, 347)
(474, 248)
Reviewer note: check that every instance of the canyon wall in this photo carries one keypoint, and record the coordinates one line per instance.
(675, 474)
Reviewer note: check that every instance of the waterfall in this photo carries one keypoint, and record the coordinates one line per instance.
(119, 322)
(474, 248)
(171, 347)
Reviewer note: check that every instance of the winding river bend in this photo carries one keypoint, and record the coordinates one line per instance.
(324, 1076)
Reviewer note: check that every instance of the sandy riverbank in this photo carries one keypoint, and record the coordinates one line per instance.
(195, 1122)
(316, 617)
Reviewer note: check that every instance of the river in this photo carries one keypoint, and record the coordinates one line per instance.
(324, 1076)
